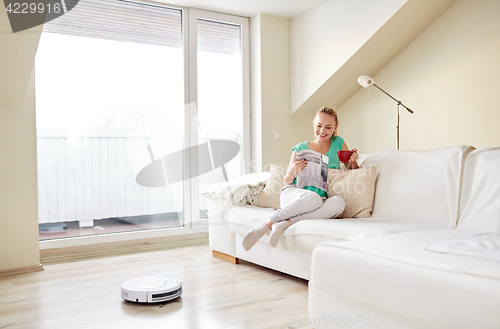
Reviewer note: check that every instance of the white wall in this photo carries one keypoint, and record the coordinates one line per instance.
(18, 183)
(18, 187)
(324, 38)
(271, 91)
(449, 76)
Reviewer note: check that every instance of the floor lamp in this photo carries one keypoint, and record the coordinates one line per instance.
(367, 81)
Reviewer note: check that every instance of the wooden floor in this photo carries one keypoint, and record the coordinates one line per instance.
(217, 294)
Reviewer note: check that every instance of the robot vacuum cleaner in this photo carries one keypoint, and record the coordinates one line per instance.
(151, 289)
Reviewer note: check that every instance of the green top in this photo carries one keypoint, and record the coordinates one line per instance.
(333, 159)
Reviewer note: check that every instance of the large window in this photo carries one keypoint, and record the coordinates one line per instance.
(127, 106)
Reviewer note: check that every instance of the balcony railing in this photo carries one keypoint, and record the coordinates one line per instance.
(94, 177)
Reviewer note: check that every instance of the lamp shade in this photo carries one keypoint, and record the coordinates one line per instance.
(366, 81)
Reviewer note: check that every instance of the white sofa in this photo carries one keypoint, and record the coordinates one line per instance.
(415, 191)
(374, 272)
(390, 280)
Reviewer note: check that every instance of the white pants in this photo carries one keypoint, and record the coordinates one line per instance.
(298, 204)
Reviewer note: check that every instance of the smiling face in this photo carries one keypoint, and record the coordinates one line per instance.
(324, 126)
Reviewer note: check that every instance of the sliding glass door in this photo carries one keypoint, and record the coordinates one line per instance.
(134, 116)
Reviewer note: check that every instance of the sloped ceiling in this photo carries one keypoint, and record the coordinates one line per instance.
(17, 58)
(414, 17)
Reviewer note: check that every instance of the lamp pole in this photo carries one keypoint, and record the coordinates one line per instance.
(398, 104)
(397, 127)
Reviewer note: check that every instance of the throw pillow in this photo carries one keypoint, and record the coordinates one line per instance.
(270, 195)
(357, 187)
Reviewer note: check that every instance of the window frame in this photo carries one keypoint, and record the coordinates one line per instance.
(192, 223)
(193, 16)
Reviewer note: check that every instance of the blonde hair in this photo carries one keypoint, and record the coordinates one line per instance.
(329, 111)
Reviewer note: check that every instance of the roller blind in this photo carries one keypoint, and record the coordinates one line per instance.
(121, 21)
(141, 23)
(218, 37)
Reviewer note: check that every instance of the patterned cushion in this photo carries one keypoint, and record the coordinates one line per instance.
(357, 187)
(270, 195)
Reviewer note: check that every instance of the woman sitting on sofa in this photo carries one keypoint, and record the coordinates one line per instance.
(308, 202)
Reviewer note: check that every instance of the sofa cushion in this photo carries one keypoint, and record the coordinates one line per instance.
(418, 186)
(308, 242)
(356, 187)
(245, 218)
(248, 216)
(408, 248)
(394, 273)
(480, 202)
(356, 228)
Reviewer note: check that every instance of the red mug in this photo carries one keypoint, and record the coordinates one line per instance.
(344, 155)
